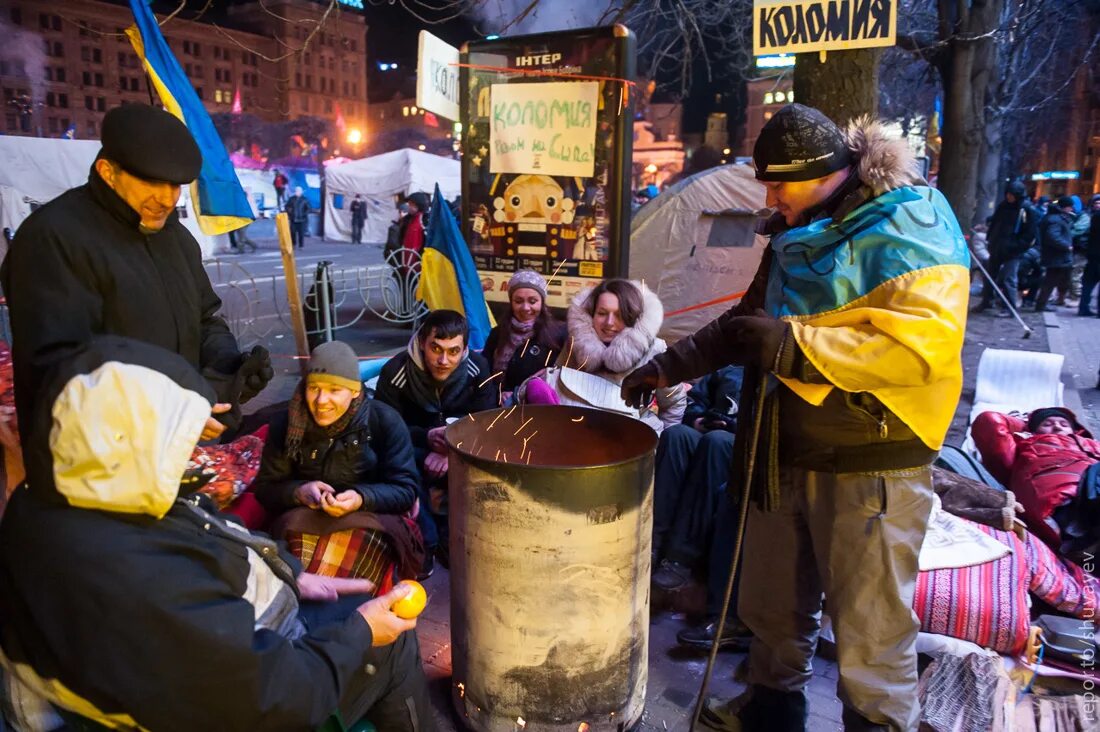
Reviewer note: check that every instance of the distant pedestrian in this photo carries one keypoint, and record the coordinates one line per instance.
(1091, 277)
(280, 182)
(358, 218)
(1011, 234)
(413, 228)
(1057, 251)
(297, 208)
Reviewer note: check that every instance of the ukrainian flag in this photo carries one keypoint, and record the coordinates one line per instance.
(220, 202)
(448, 277)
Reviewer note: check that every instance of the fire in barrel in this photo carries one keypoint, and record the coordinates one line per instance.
(551, 516)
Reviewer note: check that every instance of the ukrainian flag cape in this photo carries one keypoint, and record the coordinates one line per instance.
(878, 303)
(221, 204)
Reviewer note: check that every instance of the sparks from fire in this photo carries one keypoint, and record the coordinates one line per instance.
(498, 373)
(529, 420)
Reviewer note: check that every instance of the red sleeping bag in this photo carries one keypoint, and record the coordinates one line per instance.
(1042, 470)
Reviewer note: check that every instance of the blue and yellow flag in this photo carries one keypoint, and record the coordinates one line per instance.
(448, 277)
(220, 202)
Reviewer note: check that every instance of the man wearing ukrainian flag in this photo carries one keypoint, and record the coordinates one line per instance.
(851, 334)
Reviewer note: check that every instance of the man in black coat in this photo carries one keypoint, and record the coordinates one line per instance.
(358, 218)
(111, 257)
(436, 381)
(1091, 276)
(297, 209)
(1011, 233)
(1057, 250)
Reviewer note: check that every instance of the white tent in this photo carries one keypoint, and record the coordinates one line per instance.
(379, 179)
(695, 245)
(35, 170)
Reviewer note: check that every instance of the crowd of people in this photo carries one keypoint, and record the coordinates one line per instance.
(815, 406)
(1034, 250)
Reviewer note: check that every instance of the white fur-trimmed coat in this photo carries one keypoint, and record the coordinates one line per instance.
(631, 348)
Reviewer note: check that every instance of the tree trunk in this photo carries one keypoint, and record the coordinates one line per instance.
(990, 164)
(844, 87)
(966, 77)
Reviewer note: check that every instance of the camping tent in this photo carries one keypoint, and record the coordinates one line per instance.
(695, 245)
(379, 179)
(34, 170)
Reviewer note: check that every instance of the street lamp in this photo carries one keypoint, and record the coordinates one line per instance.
(651, 173)
(354, 136)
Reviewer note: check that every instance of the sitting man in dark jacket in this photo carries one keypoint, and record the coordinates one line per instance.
(169, 617)
(436, 381)
(689, 487)
(1057, 250)
(338, 465)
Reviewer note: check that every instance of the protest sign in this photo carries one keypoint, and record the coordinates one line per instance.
(802, 26)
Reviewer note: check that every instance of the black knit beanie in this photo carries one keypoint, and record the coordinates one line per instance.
(1036, 417)
(799, 143)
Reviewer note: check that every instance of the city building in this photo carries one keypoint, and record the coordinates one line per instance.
(63, 65)
(766, 95)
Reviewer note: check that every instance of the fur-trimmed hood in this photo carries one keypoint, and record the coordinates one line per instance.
(631, 348)
(883, 162)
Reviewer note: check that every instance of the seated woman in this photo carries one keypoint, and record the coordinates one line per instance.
(1041, 460)
(532, 337)
(612, 331)
(339, 468)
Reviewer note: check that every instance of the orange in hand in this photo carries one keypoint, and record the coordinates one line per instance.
(409, 607)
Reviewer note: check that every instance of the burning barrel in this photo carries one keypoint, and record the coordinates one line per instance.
(551, 518)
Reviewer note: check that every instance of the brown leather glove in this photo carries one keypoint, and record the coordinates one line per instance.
(639, 385)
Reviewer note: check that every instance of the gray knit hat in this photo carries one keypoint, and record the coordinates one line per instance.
(334, 363)
(527, 278)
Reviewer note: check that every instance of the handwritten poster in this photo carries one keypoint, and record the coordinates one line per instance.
(543, 128)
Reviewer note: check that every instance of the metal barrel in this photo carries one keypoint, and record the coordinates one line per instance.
(551, 520)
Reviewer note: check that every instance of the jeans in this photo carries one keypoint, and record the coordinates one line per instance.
(1008, 279)
(390, 689)
(1055, 277)
(690, 478)
(298, 231)
(1090, 278)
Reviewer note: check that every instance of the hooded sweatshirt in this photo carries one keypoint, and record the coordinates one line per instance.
(179, 619)
(423, 403)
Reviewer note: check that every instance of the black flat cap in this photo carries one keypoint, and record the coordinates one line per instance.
(151, 144)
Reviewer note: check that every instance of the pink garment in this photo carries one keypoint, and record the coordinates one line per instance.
(539, 392)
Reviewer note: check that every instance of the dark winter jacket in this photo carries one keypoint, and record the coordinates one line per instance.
(1013, 229)
(373, 456)
(185, 622)
(358, 210)
(714, 398)
(469, 389)
(297, 208)
(845, 431)
(1094, 239)
(79, 266)
(541, 352)
(1057, 238)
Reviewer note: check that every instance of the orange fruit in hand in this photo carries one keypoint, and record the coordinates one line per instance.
(409, 607)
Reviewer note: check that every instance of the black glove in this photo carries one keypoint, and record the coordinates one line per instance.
(757, 338)
(639, 385)
(254, 373)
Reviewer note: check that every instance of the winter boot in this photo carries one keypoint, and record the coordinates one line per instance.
(759, 709)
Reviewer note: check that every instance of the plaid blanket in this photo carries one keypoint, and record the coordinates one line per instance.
(356, 553)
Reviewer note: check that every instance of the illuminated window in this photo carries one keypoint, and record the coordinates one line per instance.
(769, 98)
(767, 115)
(405, 111)
(780, 97)
(790, 97)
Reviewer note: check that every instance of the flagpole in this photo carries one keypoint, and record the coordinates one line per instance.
(293, 295)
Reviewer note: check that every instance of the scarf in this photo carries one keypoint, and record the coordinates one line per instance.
(518, 332)
(300, 419)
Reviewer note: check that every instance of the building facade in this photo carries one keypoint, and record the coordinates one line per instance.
(64, 65)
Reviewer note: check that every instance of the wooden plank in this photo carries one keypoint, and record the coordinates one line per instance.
(293, 296)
